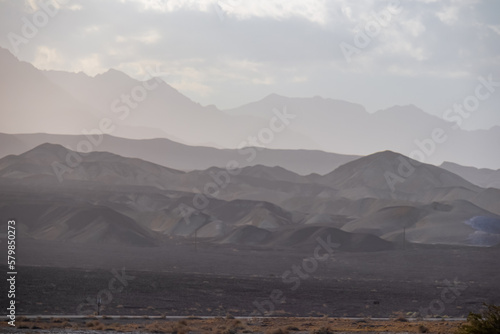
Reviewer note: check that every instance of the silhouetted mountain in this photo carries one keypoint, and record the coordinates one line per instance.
(54, 164)
(258, 205)
(432, 223)
(32, 103)
(483, 177)
(68, 220)
(183, 157)
(307, 238)
(392, 175)
(343, 127)
(60, 102)
(161, 108)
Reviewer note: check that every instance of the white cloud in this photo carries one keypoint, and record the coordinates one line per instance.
(414, 26)
(47, 58)
(423, 72)
(251, 48)
(312, 10)
(265, 80)
(173, 5)
(149, 37)
(448, 15)
(90, 64)
(74, 7)
(495, 28)
(92, 29)
(346, 10)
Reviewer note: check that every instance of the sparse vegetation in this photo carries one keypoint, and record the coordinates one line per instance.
(229, 331)
(486, 322)
(423, 329)
(323, 330)
(293, 328)
(277, 331)
(399, 316)
(236, 326)
(95, 324)
(180, 328)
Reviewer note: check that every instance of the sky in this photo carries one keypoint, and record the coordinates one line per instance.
(231, 52)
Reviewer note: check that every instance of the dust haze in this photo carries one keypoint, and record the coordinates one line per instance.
(230, 178)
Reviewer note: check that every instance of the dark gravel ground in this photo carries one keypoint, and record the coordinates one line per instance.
(58, 278)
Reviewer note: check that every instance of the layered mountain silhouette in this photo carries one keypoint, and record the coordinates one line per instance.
(53, 164)
(343, 127)
(392, 175)
(483, 177)
(101, 196)
(136, 163)
(172, 154)
(179, 156)
(36, 101)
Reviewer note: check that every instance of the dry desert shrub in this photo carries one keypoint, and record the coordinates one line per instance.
(423, 329)
(277, 331)
(180, 327)
(400, 316)
(155, 327)
(323, 330)
(227, 331)
(34, 326)
(93, 323)
(238, 325)
(292, 328)
(486, 322)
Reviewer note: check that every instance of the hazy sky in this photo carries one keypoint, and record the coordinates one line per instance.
(230, 52)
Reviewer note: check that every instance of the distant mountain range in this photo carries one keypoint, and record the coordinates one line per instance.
(36, 101)
(58, 194)
(483, 177)
(261, 174)
(187, 158)
(180, 156)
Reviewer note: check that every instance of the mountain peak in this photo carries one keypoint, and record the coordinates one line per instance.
(385, 154)
(405, 107)
(53, 160)
(47, 151)
(389, 171)
(113, 74)
(273, 97)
